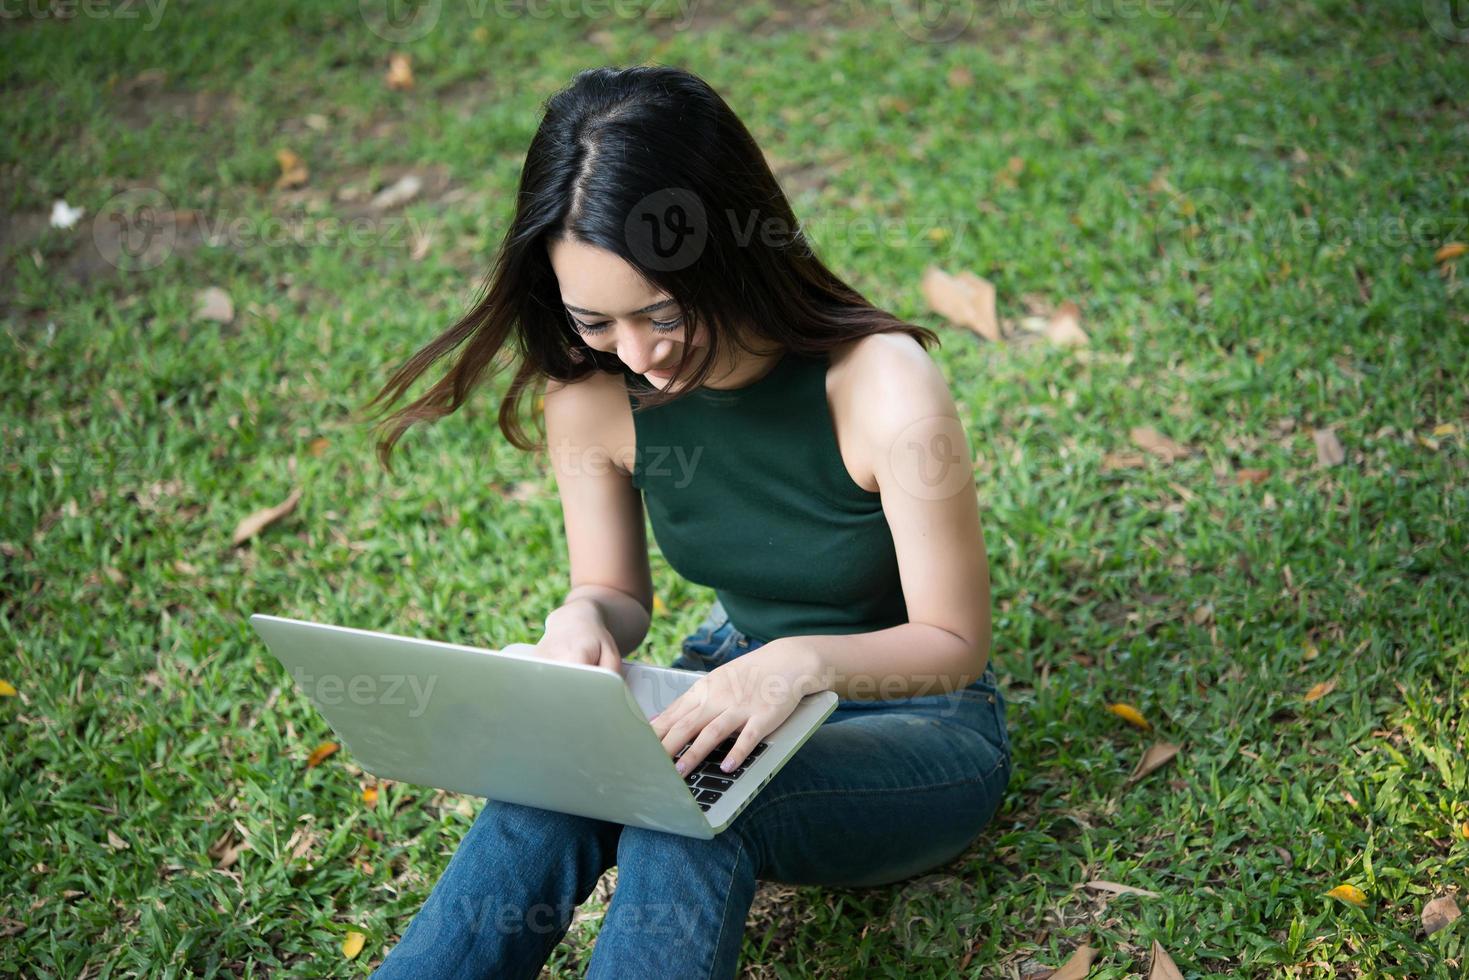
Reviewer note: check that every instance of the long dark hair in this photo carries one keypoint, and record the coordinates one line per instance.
(648, 163)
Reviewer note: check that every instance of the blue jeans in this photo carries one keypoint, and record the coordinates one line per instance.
(882, 791)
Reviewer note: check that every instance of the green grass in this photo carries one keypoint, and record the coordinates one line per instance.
(1172, 166)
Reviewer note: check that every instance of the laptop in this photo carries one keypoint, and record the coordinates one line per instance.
(508, 725)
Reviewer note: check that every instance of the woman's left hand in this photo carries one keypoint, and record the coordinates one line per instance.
(751, 694)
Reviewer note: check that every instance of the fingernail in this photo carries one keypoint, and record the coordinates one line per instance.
(727, 765)
(682, 767)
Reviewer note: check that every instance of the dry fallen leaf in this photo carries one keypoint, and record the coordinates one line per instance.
(115, 842)
(1064, 327)
(1251, 476)
(369, 797)
(293, 169)
(319, 753)
(1157, 755)
(1077, 965)
(1439, 913)
(318, 446)
(1318, 691)
(1122, 461)
(226, 850)
(213, 303)
(1450, 251)
(400, 72)
(1163, 966)
(261, 519)
(398, 193)
(7, 689)
(1151, 440)
(965, 299)
(1328, 448)
(1130, 715)
(352, 945)
(1118, 889)
(1348, 893)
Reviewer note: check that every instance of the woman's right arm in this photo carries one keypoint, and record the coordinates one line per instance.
(608, 610)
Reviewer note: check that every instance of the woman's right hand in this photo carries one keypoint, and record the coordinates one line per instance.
(577, 635)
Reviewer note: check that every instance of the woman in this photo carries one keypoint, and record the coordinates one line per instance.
(799, 452)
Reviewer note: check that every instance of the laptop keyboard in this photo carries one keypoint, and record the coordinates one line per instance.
(707, 781)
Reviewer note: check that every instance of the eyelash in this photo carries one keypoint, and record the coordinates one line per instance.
(659, 326)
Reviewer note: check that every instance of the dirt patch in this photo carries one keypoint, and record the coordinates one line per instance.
(145, 98)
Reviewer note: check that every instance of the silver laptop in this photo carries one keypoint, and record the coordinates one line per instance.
(507, 725)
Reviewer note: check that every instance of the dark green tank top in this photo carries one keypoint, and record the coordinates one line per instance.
(747, 494)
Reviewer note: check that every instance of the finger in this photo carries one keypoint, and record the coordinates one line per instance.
(749, 737)
(610, 659)
(714, 732)
(666, 718)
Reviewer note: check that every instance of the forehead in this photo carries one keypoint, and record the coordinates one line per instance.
(596, 279)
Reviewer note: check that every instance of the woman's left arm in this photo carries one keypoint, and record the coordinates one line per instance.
(925, 474)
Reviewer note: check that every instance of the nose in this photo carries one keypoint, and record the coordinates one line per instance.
(641, 351)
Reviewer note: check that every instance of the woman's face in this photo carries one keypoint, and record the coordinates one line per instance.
(619, 313)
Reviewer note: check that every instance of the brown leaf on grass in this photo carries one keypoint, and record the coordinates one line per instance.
(115, 842)
(1251, 476)
(1152, 441)
(303, 839)
(965, 299)
(1158, 755)
(1118, 889)
(318, 446)
(1163, 967)
(1077, 965)
(397, 194)
(1329, 451)
(226, 850)
(1439, 913)
(1064, 328)
(1319, 691)
(7, 689)
(213, 303)
(293, 169)
(1122, 461)
(960, 77)
(1450, 251)
(1008, 176)
(1349, 893)
(319, 753)
(400, 72)
(262, 519)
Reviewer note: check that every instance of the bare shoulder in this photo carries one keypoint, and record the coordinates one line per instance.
(891, 380)
(592, 412)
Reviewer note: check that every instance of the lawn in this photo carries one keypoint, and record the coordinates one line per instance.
(1254, 209)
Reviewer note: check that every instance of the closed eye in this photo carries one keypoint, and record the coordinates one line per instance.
(659, 326)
